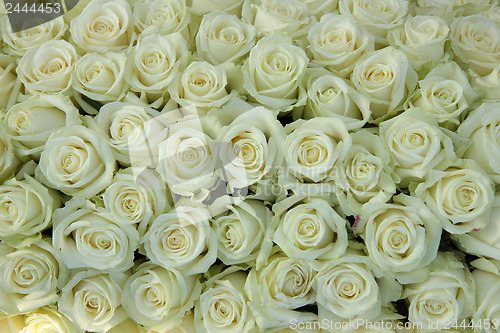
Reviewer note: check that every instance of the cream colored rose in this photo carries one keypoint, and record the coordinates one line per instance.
(103, 26)
(365, 174)
(48, 319)
(243, 233)
(100, 76)
(481, 127)
(77, 161)
(445, 297)
(337, 42)
(223, 37)
(378, 17)
(475, 40)
(421, 38)
(309, 228)
(416, 144)
(254, 153)
(159, 297)
(48, 68)
(11, 323)
(161, 16)
(386, 77)
(278, 288)
(8, 160)
(136, 201)
(20, 42)
(273, 73)
(201, 84)
(26, 208)
(92, 300)
(85, 236)
(402, 238)
(30, 123)
(331, 96)
(154, 62)
(289, 17)
(182, 239)
(9, 89)
(445, 93)
(461, 196)
(223, 305)
(201, 7)
(31, 277)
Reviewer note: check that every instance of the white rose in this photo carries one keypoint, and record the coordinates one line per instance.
(278, 288)
(386, 77)
(331, 96)
(422, 39)
(92, 300)
(161, 16)
(243, 233)
(289, 17)
(26, 208)
(314, 147)
(486, 277)
(48, 319)
(48, 67)
(223, 37)
(445, 297)
(318, 8)
(8, 160)
(154, 62)
(30, 123)
(100, 76)
(76, 161)
(202, 85)
(182, 239)
(136, 200)
(11, 323)
(223, 305)
(377, 17)
(18, 43)
(445, 93)
(481, 126)
(255, 152)
(159, 297)
(365, 174)
(103, 26)
(9, 90)
(273, 73)
(31, 277)
(416, 144)
(309, 228)
(402, 238)
(337, 42)
(475, 40)
(461, 196)
(488, 85)
(84, 236)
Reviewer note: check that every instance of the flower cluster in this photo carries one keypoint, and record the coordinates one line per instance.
(252, 166)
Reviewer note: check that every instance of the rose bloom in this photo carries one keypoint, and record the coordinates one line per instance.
(161, 16)
(48, 319)
(77, 161)
(48, 68)
(475, 40)
(92, 300)
(386, 77)
(85, 236)
(337, 42)
(445, 297)
(31, 277)
(159, 297)
(223, 305)
(26, 208)
(461, 196)
(273, 73)
(223, 37)
(481, 126)
(9, 90)
(8, 160)
(20, 42)
(30, 123)
(488, 85)
(103, 26)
